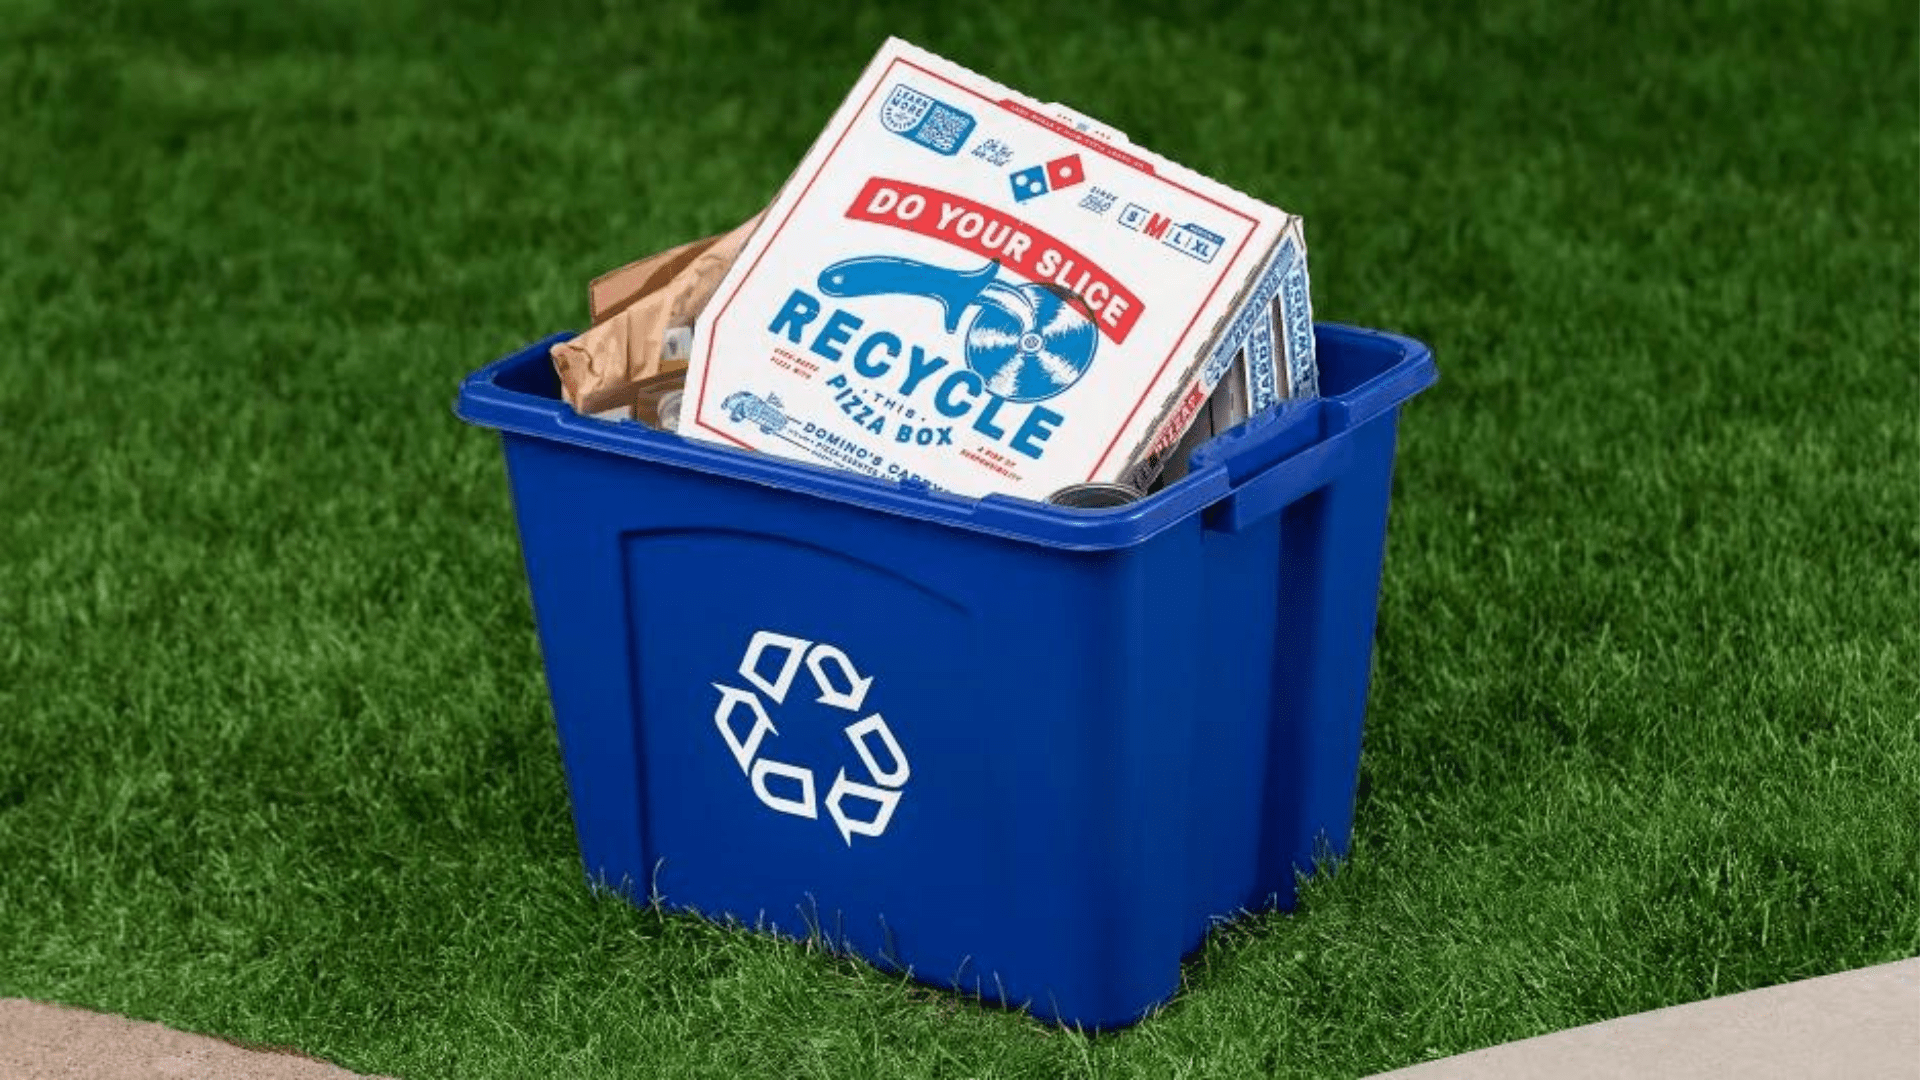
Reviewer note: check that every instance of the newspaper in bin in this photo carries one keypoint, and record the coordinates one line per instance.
(966, 287)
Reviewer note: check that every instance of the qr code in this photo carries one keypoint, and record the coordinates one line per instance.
(944, 129)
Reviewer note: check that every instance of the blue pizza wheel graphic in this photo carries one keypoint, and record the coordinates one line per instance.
(1031, 354)
(1026, 342)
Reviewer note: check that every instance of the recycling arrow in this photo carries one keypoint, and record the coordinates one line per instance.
(789, 788)
(854, 695)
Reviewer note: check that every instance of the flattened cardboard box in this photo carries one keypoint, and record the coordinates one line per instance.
(961, 287)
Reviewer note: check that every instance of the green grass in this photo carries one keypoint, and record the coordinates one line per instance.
(275, 755)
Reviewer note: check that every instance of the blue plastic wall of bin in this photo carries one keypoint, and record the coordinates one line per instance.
(1119, 725)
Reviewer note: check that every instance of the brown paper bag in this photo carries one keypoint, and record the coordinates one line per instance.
(634, 309)
(616, 290)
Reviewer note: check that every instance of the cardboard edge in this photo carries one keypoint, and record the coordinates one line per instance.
(1141, 465)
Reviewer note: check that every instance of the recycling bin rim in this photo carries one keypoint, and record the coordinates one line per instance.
(1235, 479)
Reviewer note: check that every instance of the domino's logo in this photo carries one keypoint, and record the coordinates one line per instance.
(1033, 182)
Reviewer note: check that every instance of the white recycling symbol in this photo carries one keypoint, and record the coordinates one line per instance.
(845, 689)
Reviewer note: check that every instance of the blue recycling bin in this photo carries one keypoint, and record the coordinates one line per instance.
(1028, 752)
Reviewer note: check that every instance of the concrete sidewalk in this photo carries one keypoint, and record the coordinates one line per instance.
(53, 1042)
(1857, 1025)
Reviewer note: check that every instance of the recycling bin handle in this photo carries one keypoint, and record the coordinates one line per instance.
(1282, 484)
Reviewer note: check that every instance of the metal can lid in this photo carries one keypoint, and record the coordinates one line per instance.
(1095, 496)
